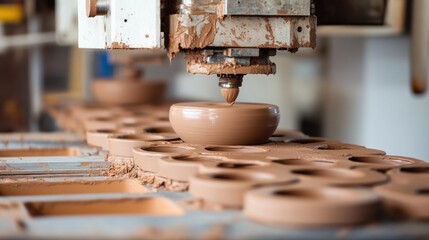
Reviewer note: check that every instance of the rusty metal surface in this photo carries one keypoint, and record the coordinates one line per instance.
(268, 8)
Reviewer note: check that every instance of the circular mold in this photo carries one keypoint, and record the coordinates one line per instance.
(408, 200)
(305, 206)
(228, 165)
(100, 138)
(236, 165)
(227, 188)
(148, 157)
(339, 176)
(159, 129)
(119, 92)
(122, 145)
(342, 149)
(182, 167)
(308, 141)
(296, 162)
(380, 162)
(224, 124)
(413, 173)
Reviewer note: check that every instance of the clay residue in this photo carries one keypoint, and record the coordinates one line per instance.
(125, 166)
(163, 183)
(118, 45)
(198, 32)
(121, 166)
(196, 64)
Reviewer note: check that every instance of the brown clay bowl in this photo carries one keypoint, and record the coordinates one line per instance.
(223, 124)
(118, 92)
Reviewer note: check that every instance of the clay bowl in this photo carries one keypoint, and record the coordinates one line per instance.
(118, 92)
(223, 124)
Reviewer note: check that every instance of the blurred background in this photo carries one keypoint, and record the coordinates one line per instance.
(355, 86)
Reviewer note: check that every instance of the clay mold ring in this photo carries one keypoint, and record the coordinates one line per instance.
(339, 176)
(223, 124)
(122, 145)
(100, 138)
(306, 206)
(379, 162)
(312, 162)
(159, 128)
(346, 150)
(406, 200)
(228, 189)
(147, 157)
(238, 166)
(181, 168)
(410, 173)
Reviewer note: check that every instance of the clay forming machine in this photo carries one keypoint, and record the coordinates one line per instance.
(229, 38)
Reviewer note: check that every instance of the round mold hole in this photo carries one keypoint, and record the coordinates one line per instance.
(415, 170)
(241, 177)
(329, 147)
(300, 193)
(234, 165)
(423, 191)
(307, 141)
(322, 193)
(235, 149)
(194, 159)
(304, 162)
(379, 160)
(105, 131)
(142, 137)
(159, 130)
(168, 149)
(329, 173)
(102, 119)
(130, 124)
